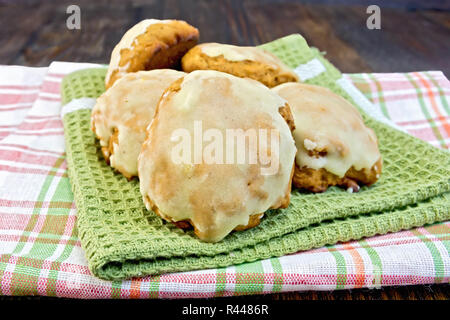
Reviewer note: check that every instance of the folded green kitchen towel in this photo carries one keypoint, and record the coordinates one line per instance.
(122, 239)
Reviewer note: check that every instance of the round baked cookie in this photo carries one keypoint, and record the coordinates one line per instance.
(244, 62)
(334, 147)
(121, 115)
(211, 158)
(150, 44)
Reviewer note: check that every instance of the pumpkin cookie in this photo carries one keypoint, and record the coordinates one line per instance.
(219, 153)
(122, 113)
(244, 62)
(334, 147)
(151, 44)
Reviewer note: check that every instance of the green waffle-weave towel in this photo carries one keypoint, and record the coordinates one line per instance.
(122, 239)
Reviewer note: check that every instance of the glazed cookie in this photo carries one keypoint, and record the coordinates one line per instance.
(218, 154)
(122, 113)
(334, 147)
(151, 44)
(244, 62)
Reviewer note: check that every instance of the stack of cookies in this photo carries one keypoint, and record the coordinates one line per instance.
(217, 134)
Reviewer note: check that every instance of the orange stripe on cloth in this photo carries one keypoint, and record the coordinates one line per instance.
(135, 288)
(430, 94)
(359, 265)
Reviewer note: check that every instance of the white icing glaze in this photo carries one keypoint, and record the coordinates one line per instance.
(238, 53)
(215, 197)
(309, 145)
(127, 42)
(129, 106)
(327, 122)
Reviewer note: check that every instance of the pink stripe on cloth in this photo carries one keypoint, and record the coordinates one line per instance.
(10, 98)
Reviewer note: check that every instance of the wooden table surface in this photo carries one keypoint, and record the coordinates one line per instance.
(414, 36)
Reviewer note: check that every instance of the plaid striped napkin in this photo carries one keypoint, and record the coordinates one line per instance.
(40, 253)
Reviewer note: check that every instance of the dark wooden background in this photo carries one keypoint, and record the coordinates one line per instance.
(414, 36)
